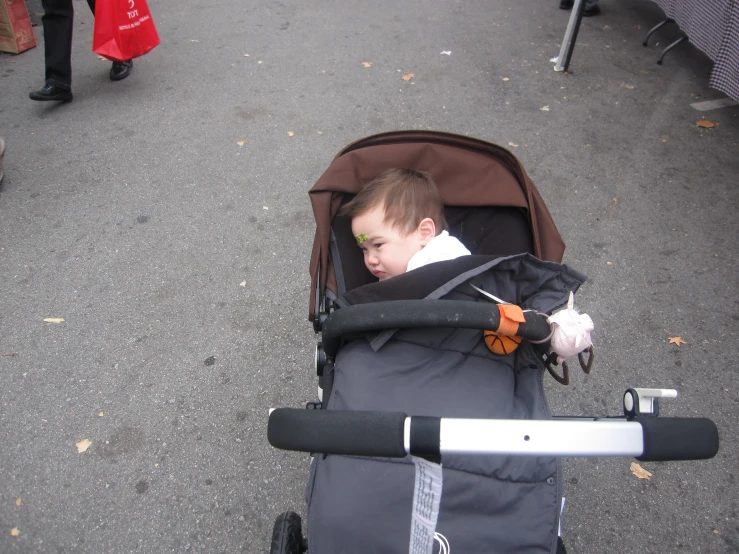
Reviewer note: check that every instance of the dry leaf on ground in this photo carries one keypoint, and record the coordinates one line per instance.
(53, 319)
(241, 142)
(17, 501)
(544, 109)
(676, 340)
(83, 445)
(242, 284)
(367, 64)
(504, 79)
(194, 40)
(290, 133)
(511, 144)
(408, 77)
(705, 124)
(627, 86)
(639, 471)
(14, 532)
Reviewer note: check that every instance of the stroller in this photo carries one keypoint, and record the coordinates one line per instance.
(415, 345)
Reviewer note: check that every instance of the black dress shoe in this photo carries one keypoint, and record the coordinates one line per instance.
(120, 70)
(51, 92)
(565, 4)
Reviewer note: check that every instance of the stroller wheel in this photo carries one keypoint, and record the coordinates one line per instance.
(287, 535)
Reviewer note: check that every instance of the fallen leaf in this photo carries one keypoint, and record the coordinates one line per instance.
(639, 471)
(241, 142)
(511, 144)
(627, 86)
(615, 200)
(715, 532)
(290, 133)
(663, 140)
(676, 340)
(265, 208)
(408, 77)
(83, 445)
(260, 61)
(53, 319)
(544, 109)
(9, 354)
(504, 79)
(14, 532)
(705, 124)
(193, 40)
(246, 55)
(367, 64)
(446, 53)
(242, 284)
(17, 501)
(100, 414)
(606, 27)
(609, 263)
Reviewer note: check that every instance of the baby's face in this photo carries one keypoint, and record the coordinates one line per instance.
(386, 251)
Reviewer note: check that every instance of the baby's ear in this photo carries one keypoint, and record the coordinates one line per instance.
(427, 230)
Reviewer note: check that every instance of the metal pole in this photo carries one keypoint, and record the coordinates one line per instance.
(568, 43)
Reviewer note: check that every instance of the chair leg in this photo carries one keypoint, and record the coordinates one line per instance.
(655, 29)
(670, 47)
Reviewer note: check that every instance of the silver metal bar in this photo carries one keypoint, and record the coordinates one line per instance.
(569, 38)
(541, 437)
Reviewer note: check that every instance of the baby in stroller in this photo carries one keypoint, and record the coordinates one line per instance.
(414, 344)
(398, 221)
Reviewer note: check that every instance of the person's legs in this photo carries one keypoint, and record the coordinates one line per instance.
(57, 22)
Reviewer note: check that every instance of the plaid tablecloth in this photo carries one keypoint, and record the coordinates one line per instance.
(713, 27)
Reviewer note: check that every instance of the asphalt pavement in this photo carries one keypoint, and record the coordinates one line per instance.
(165, 219)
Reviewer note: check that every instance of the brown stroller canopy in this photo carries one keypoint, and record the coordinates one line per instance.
(468, 172)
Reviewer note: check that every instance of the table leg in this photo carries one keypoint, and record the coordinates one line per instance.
(655, 29)
(670, 47)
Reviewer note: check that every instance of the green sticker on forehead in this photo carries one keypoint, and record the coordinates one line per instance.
(361, 239)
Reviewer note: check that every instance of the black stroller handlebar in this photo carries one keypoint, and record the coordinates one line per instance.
(394, 435)
(398, 314)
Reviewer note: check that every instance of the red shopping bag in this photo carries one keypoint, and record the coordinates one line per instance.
(124, 29)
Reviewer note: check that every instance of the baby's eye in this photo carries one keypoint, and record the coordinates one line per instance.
(378, 244)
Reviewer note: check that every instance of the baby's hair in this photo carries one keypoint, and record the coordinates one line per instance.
(407, 197)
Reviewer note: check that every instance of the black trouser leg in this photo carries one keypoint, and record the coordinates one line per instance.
(58, 20)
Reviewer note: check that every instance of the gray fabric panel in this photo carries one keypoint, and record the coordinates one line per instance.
(361, 505)
(489, 503)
